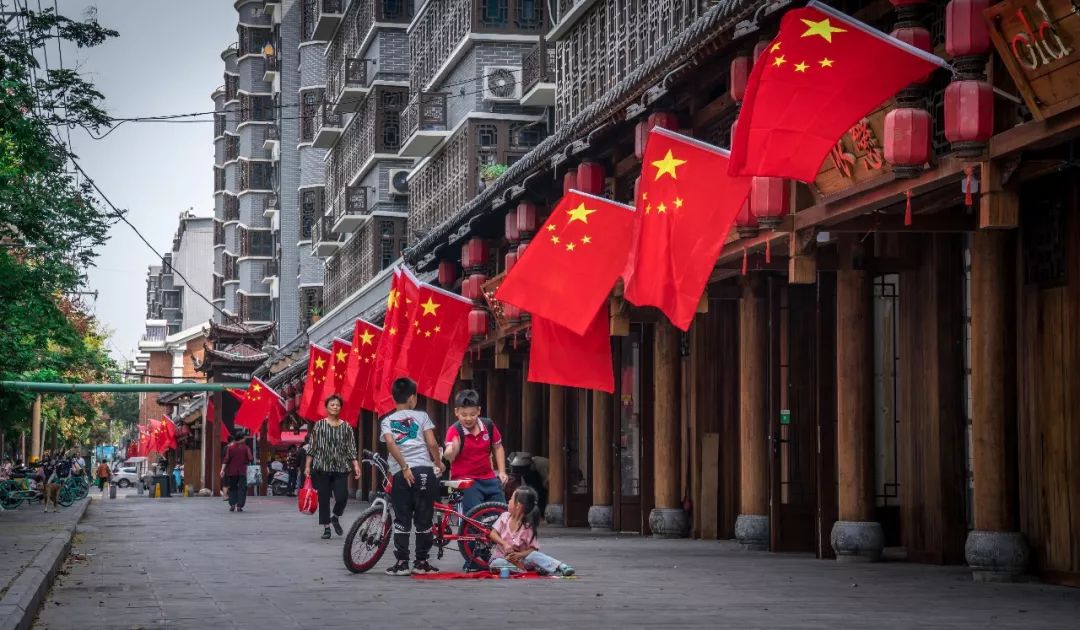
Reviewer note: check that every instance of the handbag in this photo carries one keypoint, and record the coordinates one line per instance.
(307, 500)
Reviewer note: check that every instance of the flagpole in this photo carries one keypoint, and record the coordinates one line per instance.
(603, 199)
(701, 144)
(885, 37)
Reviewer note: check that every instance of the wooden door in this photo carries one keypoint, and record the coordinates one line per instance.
(632, 474)
(578, 491)
(792, 415)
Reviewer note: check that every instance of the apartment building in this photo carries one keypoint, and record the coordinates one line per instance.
(173, 287)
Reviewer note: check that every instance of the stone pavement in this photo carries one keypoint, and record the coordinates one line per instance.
(189, 563)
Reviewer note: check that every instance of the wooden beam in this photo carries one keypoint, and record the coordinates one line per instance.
(999, 205)
(1036, 134)
(707, 116)
(620, 316)
(879, 222)
(733, 249)
(502, 355)
(802, 262)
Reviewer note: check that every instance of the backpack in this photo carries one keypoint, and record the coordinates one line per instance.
(489, 426)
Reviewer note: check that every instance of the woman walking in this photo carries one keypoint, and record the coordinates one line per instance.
(234, 471)
(331, 455)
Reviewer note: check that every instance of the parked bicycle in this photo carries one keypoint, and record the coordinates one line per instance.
(370, 535)
(16, 490)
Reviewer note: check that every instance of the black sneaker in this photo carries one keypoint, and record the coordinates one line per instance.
(326, 533)
(422, 567)
(337, 525)
(399, 568)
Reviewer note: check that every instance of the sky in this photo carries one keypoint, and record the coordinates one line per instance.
(166, 60)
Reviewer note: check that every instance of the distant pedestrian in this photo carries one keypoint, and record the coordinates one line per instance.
(332, 455)
(234, 471)
(292, 465)
(104, 475)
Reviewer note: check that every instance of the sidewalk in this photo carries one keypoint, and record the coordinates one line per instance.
(33, 546)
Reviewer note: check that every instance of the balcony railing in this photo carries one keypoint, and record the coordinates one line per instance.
(271, 269)
(228, 267)
(232, 208)
(328, 18)
(424, 121)
(349, 85)
(327, 126)
(350, 209)
(271, 66)
(219, 233)
(538, 75)
(326, 242)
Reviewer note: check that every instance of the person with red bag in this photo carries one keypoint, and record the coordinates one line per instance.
(333, 450)
(234, 471)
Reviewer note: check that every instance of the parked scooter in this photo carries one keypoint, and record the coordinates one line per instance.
(530, 470)
(279, 484)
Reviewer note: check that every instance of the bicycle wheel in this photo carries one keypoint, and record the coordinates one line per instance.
(66, 496)
(367, 540)
(478, 553)
(10, 497)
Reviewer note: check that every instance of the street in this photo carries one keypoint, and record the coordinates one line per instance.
(189, 563)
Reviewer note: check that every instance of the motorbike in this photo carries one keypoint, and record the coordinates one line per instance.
(530, 470)
(279, 484)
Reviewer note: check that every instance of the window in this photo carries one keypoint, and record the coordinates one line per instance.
(311, 202)
(219, 125)
(308, 110)
(171, 299)
(258, 108)
(391, 242)
(308, 16)
(261, 243)
(260, 309)
(257, 176)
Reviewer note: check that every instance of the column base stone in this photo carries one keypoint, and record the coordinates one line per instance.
(554, 514)
(668, 523)
(752, 532)
(997, 556)
(857, 541)
(601, 517)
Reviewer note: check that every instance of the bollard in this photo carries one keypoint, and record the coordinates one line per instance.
(141, 486)
(157, 490)
(112, 491)
(187, 490)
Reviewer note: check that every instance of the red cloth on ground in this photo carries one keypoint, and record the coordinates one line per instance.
(478, 575)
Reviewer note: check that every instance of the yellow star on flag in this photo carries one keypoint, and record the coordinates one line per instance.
(393, 331)
(801, 67)
(437, 329)
(826, 62)
(822, 28)
(779, 61)
(667, 166)
(551, 227)
(678, 202)
(579, 214)
(392, 299)
(366, 337)
(661, 209)
(319, 363)
(775, 47)
(427, 333)
(645, 195)
(585, 240)
(255, 388)
(569, 247)
(430, 307)
(555, 239)
(341, 356)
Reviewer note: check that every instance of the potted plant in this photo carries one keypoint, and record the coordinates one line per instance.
(491, 172)
(316, 314)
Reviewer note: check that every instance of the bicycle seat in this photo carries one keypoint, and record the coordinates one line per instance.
(459, 484)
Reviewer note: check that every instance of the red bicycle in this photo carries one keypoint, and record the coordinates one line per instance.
(370, 535)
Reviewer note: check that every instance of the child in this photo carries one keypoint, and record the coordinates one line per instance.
(410, 438)
(514, 535)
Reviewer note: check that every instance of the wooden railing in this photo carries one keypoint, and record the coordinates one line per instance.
(538, 66)
(425, 112)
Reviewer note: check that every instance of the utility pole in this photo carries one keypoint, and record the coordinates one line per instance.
(35, 430)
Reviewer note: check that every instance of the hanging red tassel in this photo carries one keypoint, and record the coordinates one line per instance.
(768, 252)
(968, 172)
(744, 261)
(907, 209)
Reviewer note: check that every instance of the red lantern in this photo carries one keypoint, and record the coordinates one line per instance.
(740, 72)
(965, 28)
(521, 250)
(510, 260)
(473, 287)
(770, 200)
(569, 181)
(447, 273)
(478, 323)
(641, 136)
(907, 140)
(474, 254)
(526, 219)
(746, 224)
(969, 116)
(905, 3)
(667, 120)
(590, 178)
(918, 37)
(512, 234)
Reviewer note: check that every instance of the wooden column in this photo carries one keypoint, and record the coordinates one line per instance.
(35, 429)
(530, 413)
(600, 513)
(667, 518)
(752, 524)
(556, 455)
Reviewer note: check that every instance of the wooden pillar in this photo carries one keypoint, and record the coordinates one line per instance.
(855, 536)
(994, 549)
(35, 429)
(752, 524)
(600, 513)
(530, 413)
(554, 513)
(667, 518)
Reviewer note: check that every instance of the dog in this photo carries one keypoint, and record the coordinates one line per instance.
(52, 491)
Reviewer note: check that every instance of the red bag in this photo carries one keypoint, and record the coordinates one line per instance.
(308, 498)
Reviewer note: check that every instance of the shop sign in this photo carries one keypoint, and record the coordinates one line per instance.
(1037, 41)
(785, 416)
(859, 155)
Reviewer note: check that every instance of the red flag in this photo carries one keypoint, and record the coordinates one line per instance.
(311, 403)
(259, 403)
(687, 204)
(561, 357)
(357, 390)
(168, 439)
(822, 73)
(152, 443)
(273, 424)
(339, 362)
(400, 303)
(435, 343)
(568, 270)
(238, 394)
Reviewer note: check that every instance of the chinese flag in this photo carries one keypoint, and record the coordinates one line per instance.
(400, 303)
(143, 444)
(260, 402)
(687, 203)
(435, 343)
(560, 356)
(168, 434)
(273, 424)
(568, 270)
(820, 75)
(311, 403)
(357, 387)
(339, 354)
(153, 433)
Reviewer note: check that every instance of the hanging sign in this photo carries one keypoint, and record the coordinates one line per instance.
(785, 416)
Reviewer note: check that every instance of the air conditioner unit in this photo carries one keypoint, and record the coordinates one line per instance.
(502, 83)
(399, 181)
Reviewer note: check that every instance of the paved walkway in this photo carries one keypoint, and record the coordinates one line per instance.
(189, 563)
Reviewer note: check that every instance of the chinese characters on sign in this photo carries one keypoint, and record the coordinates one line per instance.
(862, 138)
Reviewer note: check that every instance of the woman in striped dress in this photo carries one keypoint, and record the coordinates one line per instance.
(331, 456)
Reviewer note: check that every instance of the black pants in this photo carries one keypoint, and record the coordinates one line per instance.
(237, 489)
(414, 506)
(327, 482)
(292, 479)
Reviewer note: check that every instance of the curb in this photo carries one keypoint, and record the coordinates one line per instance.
(22, 600)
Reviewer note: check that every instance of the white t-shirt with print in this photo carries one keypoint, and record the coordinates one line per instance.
(407, 427)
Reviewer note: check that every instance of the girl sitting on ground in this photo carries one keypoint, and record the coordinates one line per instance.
(514, 535)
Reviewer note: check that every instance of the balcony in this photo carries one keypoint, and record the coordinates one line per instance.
(232, 208)
(272, 206)
(327, 19)
(326, 242)
(328, 127)
(538, 76)
(270, 73)
(424, 121)
(273, 11)
(352, 87)
(350, 209)
(271, 271)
